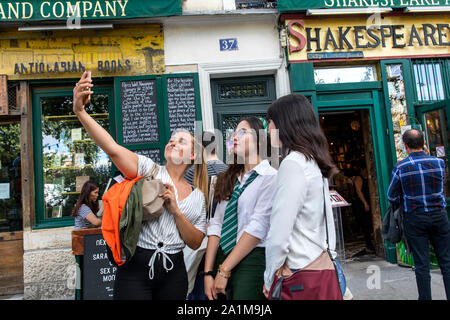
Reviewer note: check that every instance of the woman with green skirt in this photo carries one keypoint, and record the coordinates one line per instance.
(235, 254)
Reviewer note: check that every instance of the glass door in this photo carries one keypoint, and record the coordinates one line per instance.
(434, 120)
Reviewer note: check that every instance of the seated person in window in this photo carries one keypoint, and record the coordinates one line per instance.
(85, 207)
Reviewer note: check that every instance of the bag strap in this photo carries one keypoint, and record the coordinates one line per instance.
(153, 172)
(325, 214)
(212, 189)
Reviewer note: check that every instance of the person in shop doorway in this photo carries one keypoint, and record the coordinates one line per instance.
(195, 259)
(361, 206)
(87, 206)
(417, 185)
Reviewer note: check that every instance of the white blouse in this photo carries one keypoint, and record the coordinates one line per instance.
(162, 234)
(297, 232)
(254, 205)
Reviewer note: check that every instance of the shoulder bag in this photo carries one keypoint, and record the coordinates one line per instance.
(317, 281)
(152, 203)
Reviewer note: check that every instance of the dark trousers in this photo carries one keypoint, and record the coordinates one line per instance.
(420, 229)
(133, 282)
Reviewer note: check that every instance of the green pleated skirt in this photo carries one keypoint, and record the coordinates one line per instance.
(247, 278)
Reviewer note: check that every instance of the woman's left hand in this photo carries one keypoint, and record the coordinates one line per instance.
(169, 199)
(220, 284)
(266, 293)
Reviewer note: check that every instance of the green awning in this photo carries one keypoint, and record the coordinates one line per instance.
(37, 10)
(302, 5)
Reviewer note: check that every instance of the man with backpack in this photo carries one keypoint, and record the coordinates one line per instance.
(417, 185)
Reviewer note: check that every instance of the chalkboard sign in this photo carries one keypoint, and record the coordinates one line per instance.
(153, 154)
(98, 273)
(139, 111)
(181, 103)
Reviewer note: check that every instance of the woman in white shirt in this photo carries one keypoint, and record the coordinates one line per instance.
(157, 270)
(297, 234)
(236, 234)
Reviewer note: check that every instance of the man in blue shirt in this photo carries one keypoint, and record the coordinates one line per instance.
(417, 184)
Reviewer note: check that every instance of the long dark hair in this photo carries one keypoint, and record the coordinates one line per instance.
(227, 179)
(299, 130)
(84, 198)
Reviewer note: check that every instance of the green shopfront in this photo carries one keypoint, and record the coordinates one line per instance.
(372, 69)
(45, 155)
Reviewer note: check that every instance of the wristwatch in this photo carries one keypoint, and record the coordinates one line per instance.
(209, 273)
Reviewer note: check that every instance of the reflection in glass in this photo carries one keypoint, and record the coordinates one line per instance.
(344, 74)
(10, 178)
(70, 156)
(436, 124)
(399, 113)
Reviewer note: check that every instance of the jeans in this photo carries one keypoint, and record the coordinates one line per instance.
(420, 229)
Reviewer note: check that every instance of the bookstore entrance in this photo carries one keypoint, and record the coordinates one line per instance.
(349, 138)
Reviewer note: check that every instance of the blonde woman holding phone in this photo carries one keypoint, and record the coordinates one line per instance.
(157, 270)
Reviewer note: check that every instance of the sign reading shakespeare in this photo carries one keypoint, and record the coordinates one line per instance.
(36, 10)
(394, 36)
(297, 5)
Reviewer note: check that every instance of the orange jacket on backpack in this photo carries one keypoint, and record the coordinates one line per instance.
(114, 201)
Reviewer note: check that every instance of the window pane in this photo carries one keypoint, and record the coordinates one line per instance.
(346, 74)
(10, 178)
(429, 84)
(436, 123)
(397, 99)
(70, 157)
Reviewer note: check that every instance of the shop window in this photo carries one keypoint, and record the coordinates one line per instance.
(68, 155)
(344, 74)
(399, 112)
(10, 177)
(429, 84)
(436, 123)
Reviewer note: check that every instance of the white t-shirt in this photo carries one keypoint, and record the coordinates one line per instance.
(164, 229)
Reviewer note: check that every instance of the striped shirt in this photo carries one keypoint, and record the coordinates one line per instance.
(419, 181)
(80, 218)
(162, 234)
(214, 168)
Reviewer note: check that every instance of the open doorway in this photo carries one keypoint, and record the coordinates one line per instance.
(349, 137)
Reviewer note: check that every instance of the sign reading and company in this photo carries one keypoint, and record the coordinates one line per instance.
(36, 10)
(393, 36)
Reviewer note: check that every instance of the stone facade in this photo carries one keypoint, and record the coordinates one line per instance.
(49, 266)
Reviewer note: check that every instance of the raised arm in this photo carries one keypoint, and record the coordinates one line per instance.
(125, 160)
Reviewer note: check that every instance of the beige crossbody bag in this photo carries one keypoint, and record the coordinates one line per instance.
(152, 203)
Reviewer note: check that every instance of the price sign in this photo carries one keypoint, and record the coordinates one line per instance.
(337, 200)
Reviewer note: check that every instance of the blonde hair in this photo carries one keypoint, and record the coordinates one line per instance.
(201, 179)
